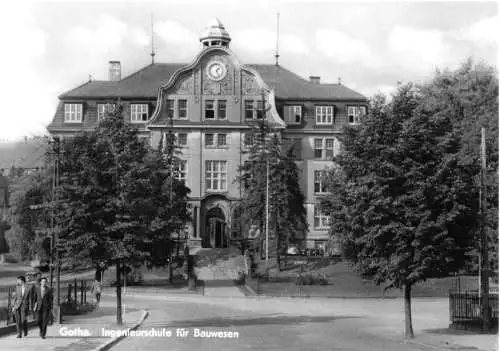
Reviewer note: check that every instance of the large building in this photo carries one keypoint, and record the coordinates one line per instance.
(211, 103)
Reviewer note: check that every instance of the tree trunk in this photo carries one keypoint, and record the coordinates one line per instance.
(408, 324)
(170, 268)
(119, 320)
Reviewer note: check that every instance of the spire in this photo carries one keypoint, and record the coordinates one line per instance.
(215, 34)
(276, 55)
(152, 40)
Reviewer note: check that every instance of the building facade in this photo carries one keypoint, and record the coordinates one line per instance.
(211, 104)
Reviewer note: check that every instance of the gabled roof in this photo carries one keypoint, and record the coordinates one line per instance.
(288, 85)
(141, 84)
(146, 82)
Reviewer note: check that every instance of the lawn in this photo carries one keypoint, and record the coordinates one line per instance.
(343, 281)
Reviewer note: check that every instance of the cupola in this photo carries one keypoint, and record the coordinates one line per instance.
(215, 35)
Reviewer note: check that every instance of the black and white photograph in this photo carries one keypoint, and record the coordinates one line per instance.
(249, 175)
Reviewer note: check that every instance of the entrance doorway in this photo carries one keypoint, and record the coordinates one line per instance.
(215, 229)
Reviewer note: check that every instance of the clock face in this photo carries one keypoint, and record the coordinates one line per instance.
(216, 70)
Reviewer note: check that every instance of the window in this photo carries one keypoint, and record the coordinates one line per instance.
(138, 113)
(293, 114)
(170, 108)
(260, 109)
(320, 182)
(73, 112)
(254, 109)
(221, 111)
(182, 109)
(354, 114)
(216, 175)
(248, 109)
(218, 140)
(321, 220)
(209, 109)
(181, 171)
(104, 109)
(221, 140)
(324, 148)
(181, 139)
(248, 140)
(324, 114)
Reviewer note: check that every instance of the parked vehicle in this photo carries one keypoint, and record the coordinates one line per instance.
(292, 251)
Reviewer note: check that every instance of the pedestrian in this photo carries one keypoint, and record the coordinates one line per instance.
(21, 306)
(43, 306)
(96, 290)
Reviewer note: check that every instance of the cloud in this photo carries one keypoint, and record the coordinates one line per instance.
(174, 33)
(419, 50)
(140, 37)
(385, 89)
(29, 98)
(344, 49)
(108, 34)
(485, 31)
(260, 40)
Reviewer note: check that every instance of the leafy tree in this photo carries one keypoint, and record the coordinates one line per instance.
(287, 214)
(28, 226)
(401, 201)
(469, 95)
(116, 204)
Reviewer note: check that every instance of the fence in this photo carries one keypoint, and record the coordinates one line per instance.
(465, 307)
(72, 300)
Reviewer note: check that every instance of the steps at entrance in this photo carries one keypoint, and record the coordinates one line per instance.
(219, 265)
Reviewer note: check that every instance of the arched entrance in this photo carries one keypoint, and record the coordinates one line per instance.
(215, 229)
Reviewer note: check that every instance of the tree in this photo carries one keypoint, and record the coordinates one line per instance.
(28, 226)
(401, 202)
(115, 199)
(287, 214)
(469, 95)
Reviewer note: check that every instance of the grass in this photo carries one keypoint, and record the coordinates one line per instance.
(343, 281)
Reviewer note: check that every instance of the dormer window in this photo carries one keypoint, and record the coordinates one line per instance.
(324, 115)
(354, 114)
(293, 114)
(139, 113)
(73, 113)
(103, 110)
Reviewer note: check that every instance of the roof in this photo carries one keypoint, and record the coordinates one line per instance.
(141, 84)
(146, 82)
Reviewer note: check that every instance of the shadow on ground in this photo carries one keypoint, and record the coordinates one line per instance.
(469, 331)
(222, 322)
(100, 312)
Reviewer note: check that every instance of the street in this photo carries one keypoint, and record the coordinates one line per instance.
(260, 329)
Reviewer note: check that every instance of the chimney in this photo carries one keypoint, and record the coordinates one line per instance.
(115, 71)
(314, 79)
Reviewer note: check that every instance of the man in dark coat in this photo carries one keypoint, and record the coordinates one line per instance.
(21, 306)
(43, 306)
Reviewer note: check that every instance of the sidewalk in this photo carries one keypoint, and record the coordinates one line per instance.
(71, 335)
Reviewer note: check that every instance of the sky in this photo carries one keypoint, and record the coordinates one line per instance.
(51, 47)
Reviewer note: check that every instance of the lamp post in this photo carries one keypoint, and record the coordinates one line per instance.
(267, 216)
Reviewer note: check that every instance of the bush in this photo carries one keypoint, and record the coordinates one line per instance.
(311, 279)
(10, 258)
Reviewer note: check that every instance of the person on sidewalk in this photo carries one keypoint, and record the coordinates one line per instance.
(43, 306)
(21, 306)
(96, 290)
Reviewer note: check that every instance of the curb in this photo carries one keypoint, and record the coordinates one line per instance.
(251, 291)
(109, 344)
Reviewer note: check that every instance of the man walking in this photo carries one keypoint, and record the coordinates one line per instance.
(43, 306)
(21, 306)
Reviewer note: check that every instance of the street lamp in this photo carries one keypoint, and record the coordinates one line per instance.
(267, 216)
